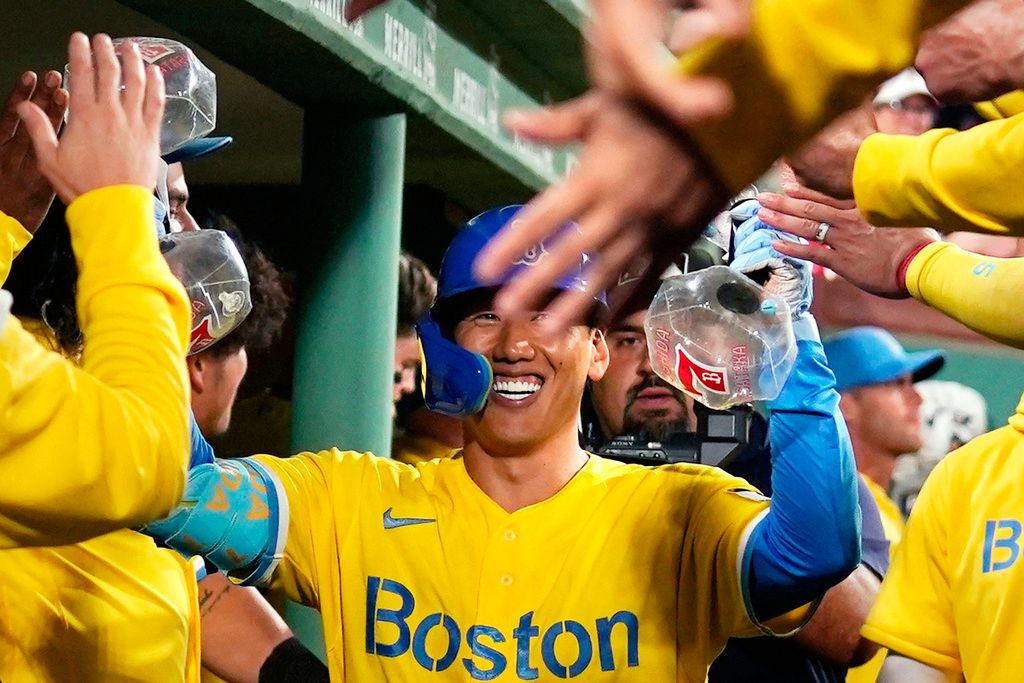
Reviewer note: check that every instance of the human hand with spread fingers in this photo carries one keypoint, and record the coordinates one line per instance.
(25, 193)
(640, 189)
(113, 131)
(839, 238)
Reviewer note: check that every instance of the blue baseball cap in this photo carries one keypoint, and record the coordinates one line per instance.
(870, 355)
(198, 148)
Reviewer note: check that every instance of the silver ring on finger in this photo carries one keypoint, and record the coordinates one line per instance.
(823, 229)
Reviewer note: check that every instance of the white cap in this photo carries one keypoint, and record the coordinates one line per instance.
(901, 86)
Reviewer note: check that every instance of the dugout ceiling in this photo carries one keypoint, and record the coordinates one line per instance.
(453, 66)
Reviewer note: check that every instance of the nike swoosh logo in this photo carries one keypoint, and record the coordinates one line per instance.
(391, 522)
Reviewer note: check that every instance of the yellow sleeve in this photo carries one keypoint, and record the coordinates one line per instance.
(1002, 107)
(322, 492)
(723, 511)
(13, 238)
(979, 291)
(803, 63)
(913, 614)
(945, 179)
(89, 450)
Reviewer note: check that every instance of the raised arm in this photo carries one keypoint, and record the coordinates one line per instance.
(105, 444)
(978, 291)
(810, 538)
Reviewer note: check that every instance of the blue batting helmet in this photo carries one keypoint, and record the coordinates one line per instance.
(456, 381)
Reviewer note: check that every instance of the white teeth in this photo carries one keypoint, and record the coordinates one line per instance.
(515, 390)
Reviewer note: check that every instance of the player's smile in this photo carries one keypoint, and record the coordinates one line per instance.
(516, 390)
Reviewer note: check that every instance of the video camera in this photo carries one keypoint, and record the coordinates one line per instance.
(721, 436)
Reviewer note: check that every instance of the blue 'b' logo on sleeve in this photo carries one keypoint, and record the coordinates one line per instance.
(1002, 545)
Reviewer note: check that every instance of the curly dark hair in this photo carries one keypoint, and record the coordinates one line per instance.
(270, 301)
(416, 290)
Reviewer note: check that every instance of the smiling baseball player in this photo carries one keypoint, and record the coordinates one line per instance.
(526, 557)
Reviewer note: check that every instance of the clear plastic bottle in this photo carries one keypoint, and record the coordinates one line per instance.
(721, 338)
(190, 87)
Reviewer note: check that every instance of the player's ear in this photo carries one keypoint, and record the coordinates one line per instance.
(197, 368)
(599, 354)
(849, 406)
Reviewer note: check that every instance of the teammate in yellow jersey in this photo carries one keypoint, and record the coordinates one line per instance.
(134, 310)
(59, 618)
(527, 558)
(420, 434)
(950, 599)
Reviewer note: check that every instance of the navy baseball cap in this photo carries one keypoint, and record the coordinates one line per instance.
(870, 355)
(198, 148)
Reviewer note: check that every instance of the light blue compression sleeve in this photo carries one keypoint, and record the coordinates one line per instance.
(233, 514)
(810, 538)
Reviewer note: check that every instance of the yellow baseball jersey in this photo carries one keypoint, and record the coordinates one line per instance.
(945, 178)
(802, 63)
(419, 576)
(893, 524)
(83, 446)
(1002, 107)
(979, 291)
(952, 596)
(412, 449)
(104, 444)
(111, 609)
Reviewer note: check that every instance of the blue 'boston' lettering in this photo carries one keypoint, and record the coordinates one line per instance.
(478, 649)
(419, 642)
(585, 647)
(486, 663)
(523, 633)
(1010, 543)
(389, 616)
(604, 639)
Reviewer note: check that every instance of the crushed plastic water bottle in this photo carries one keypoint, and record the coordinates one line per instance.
(721, 338)
(209, 266)
(190, 111)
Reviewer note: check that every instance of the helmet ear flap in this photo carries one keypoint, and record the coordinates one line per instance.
(455, 381)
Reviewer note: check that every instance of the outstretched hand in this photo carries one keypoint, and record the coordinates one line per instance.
(113, 131)
(867, 256)
(25, 194)
(628, 57)
(639, 190)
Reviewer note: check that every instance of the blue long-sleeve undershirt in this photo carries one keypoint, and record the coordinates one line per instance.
(810, 538)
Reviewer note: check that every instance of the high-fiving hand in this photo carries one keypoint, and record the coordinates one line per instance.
(25, 194)
(113, 131)
(867, 256)
(639, 190)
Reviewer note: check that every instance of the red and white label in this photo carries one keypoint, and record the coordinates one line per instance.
(151, 52)
(698, 378)
(201, 336)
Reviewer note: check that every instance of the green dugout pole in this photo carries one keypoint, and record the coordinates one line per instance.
(352, 172)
